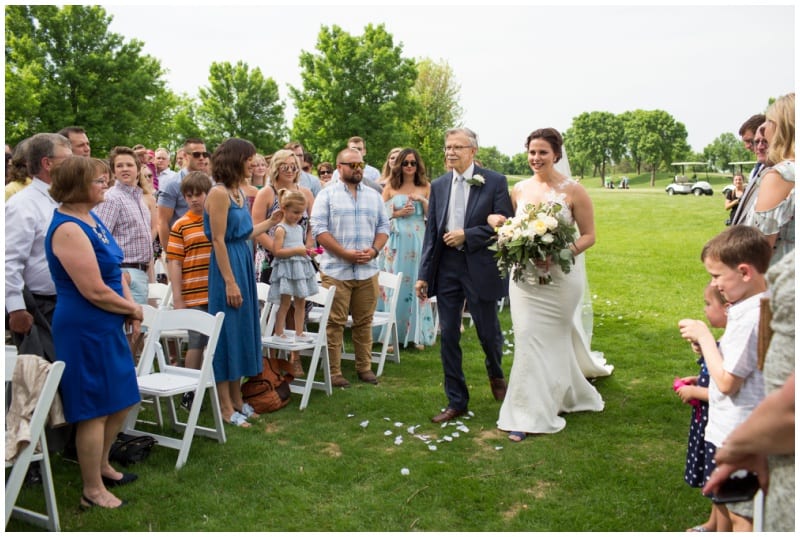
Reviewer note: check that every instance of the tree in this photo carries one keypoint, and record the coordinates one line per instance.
(436, 109)
(661, 139)
(724, 149)
(240, 102)
(519, 165)
(354, 86)
(491, 157)
(597, 137)
(63, 67)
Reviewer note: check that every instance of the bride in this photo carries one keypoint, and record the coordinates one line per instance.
(552, 357)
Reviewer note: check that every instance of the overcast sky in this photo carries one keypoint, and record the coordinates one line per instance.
(519, 67)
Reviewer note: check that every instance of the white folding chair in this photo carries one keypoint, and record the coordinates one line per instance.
(170, 381)
(159, 295)
(318, 347)
(387, 320)
(262, 291)
(29, 454)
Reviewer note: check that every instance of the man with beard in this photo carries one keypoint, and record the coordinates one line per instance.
(350, 222)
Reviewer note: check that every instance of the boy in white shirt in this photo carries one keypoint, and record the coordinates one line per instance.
(736, 259)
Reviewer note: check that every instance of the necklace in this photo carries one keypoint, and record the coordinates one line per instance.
(101, 233)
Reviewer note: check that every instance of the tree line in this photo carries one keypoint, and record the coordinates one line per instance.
(64, 67)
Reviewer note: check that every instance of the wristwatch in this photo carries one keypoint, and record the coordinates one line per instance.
(377, 253)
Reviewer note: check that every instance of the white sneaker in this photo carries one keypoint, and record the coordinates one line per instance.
(305, 338)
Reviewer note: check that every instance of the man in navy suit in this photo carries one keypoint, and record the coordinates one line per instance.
(457, 264)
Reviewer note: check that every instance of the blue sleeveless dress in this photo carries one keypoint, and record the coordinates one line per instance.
(99, 374)
(238, 352)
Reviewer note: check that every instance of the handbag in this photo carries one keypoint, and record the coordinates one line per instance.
(128, 449)
(269, 390)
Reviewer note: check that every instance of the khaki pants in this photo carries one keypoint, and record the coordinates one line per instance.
(359, 298)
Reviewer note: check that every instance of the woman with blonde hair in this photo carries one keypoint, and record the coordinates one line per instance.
(386, 172)
(774, 207)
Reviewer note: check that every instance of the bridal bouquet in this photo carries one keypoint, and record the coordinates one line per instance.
(539, 233)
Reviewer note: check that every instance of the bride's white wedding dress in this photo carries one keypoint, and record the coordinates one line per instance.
(551, 351)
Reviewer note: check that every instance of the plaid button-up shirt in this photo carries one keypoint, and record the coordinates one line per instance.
(353, 222)
(126, 215)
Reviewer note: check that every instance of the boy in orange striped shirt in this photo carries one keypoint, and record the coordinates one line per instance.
(188, 255)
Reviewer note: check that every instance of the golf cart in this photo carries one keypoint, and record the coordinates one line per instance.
(682, 184)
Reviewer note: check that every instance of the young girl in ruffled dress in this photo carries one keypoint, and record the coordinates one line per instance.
(293, 275)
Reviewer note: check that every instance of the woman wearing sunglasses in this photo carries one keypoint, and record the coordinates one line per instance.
(406, 198)
(325, 172)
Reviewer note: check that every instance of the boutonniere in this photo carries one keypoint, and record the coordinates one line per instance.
(476, 180)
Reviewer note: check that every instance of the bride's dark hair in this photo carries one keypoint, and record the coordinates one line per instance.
(551, 136)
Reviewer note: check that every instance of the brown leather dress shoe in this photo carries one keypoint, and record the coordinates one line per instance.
(448, 414)
(498, 388)
(338, 381)
(368, 376)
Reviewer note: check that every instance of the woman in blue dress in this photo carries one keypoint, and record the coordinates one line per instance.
(94, 304)
(231, 280)
(406, 198)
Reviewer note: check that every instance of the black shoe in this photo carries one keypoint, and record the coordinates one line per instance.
(34, 475)
(124, 480)
(187, 400)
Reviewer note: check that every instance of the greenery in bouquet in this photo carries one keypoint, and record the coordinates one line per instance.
(541, 233)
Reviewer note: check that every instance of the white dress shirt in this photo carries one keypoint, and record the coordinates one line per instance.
(467, 176)
(28, 217)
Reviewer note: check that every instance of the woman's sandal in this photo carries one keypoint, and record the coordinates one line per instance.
(248, 411)
(86, 503)
(699, 528)
(516, 436)
(238, 420)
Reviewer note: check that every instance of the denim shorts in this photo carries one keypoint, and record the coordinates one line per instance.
(139, 285)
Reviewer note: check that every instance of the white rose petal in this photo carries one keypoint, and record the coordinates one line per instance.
(364, 423)
(388, 433)
(398, 440)
(398, 424)
(432, 447)
(404, 471)
(548, 238)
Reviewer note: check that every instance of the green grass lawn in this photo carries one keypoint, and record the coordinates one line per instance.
(322, 470)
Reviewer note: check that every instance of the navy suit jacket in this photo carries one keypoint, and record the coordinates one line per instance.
(489, 198)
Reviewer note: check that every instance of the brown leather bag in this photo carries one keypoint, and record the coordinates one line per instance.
(269, 390)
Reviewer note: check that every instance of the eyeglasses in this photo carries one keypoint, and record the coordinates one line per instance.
(412, 163)
(100, 181)
(198, 154)
(325, 172)
(148, 176)
(288, 168)
(762, 141)
(353, 165)
(455, 147)
(306, 168)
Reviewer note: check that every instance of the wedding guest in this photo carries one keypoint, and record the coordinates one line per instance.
(18, 177)
(764, 443)
(406, 199)
(99, 383)
(774, 208)
(78, 140)
(231, 282)
(457, 264)
(325, 171)
(734, 195)
(125, 213)
(551, 360)
(747, 132)
(386, 172)
(258, 171)
(306, 179)
(736, 259)
(350, 223)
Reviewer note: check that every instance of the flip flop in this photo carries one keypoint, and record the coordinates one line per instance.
(699, 528)
(516, 436)
(248, 411)
(238, 419)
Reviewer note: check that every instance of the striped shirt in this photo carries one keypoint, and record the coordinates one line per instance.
(189, 245)
(353, 222)
(127, 217)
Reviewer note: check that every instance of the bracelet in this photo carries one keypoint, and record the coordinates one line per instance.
(377, 253)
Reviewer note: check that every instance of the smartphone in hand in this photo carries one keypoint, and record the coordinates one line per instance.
(741, 486)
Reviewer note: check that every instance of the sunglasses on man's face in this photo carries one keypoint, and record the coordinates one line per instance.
(198, 154)
(354, 165)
